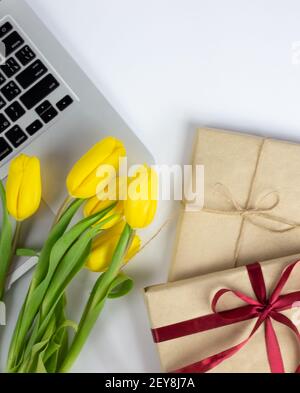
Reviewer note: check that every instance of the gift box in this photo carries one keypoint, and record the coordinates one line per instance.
(251, 204)
(239, 320)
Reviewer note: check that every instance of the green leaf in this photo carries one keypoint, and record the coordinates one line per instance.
(121, 286)
(27, 252)
(43, 355)
(54, 294)
(58, 248)
(40, 368)
(61, 338)
(37, 351)
(6, 239)
(55, 234)
(65, 242)
(30, 306)
(70, 265)
(111, 284)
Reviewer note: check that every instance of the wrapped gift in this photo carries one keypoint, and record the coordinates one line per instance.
(238, 320)
(251, 204)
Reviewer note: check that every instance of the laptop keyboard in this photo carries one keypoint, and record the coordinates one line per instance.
(32, 95)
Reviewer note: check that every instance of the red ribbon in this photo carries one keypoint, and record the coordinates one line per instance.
(262, 308)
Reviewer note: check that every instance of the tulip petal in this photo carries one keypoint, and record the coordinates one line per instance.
(24, 187)
(83, 180)
(140, 210)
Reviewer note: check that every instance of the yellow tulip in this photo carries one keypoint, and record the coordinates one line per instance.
(105, 245)
(94, 206)
(103, 199)
(84, 181)
(23, 187)
(141, 203)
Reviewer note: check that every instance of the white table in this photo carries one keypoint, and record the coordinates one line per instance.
(168, 66)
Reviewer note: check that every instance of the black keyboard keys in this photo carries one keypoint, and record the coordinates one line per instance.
(39, 91)
(12, 42)
(16, 136)
(46, 111)
(43, 107)
(2, 79)
(25, 55)
(34, 127)
(49, 115)
(2, 102)
(4, 29)
(64, 103)
(5, 149)
(31, 74)
(14, 111)
(11, 67)
(10, 91)
(4, 123)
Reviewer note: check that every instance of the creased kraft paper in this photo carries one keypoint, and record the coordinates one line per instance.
(251, 204)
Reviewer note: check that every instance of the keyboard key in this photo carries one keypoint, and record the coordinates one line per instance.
(16, 136)
(64, 103)
(2, 102)
(43, 107)
(31, 74)
(11, 67)
(34, 127)
(50, 114)
(5, 149)
(2, 79)
(15, 111)
(46, 111)
(4, 29)
(10, 91)
(12, 42)
(25, 55)
(39, 91)
(4, 123)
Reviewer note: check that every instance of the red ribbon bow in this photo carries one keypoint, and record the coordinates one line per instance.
(262, 308)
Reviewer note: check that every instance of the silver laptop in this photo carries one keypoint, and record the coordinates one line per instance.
(48, 106)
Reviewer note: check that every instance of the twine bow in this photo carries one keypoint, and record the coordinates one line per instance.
(253, 214)
(257, 211)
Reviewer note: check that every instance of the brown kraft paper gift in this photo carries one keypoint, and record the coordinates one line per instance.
(188, 299)
(251, 204)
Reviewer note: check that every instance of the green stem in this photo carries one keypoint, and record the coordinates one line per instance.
(97, 299)
(16, 237)
(5, 269)
(62, 209)
(25, 321)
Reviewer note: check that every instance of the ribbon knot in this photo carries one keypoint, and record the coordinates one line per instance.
(262, 308)
(266, 310)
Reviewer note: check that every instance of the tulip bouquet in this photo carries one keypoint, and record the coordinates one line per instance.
(104, 240)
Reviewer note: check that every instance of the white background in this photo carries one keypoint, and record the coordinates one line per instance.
(168, 66)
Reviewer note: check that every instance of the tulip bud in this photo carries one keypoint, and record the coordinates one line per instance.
(105, 245)
(23, 187)
(141, 203)
(84, 180)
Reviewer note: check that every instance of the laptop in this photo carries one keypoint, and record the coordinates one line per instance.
(48, 106)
